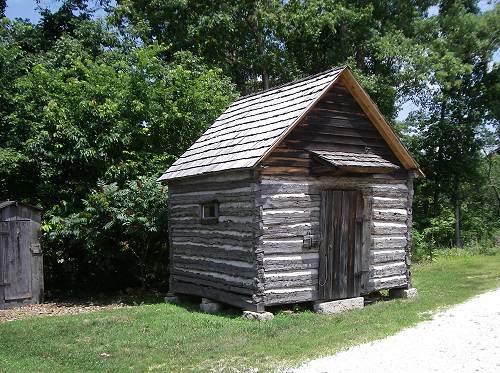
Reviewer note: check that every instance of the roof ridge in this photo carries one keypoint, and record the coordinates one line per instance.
(309, 77)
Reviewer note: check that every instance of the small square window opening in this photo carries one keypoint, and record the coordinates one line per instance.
(210, 212)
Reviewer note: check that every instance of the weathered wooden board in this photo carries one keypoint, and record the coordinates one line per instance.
(290, 295)
(337, 123)
(21, 261)
(341, 244)
(246, 302)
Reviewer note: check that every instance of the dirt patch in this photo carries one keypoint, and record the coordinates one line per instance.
(53, 309)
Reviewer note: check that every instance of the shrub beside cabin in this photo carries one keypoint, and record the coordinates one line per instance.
(299, 193)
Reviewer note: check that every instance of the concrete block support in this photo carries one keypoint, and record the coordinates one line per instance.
(259, 316)
(210, 306)
(410, 293)
(338, 306)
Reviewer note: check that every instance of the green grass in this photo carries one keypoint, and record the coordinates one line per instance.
(169, 338)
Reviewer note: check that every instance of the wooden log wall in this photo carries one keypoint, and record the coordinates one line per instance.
(264, 249)
(290, 208)
(216, 261)
(290, 203)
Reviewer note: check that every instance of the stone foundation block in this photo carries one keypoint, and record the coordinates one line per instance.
(410, 293)
(172, 298)
(339, 306)
(259, 316)
(210, 306)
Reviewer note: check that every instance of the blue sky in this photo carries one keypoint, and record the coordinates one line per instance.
(28, 9)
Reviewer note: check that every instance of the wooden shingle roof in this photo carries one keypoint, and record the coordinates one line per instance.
(253, 125)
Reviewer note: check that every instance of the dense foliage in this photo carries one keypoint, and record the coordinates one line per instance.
(266, 42)
(118, 238)
(86, 123)
(93, 109)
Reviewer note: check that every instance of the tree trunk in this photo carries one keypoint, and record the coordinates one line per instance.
(265, 79)
(435, 201)
(261, 48)
(457, 208)
(458, 239)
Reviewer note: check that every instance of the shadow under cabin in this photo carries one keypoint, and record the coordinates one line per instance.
(300, 193)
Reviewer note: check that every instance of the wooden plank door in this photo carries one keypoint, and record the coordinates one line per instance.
(17, 276)
(341, 222)
(3, 243)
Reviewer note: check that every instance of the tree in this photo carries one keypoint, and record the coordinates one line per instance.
(454, 107)
(263, 43)
(79, 115)
(236, 36)
(92, 117)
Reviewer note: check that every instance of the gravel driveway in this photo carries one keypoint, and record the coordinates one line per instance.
(465, 338)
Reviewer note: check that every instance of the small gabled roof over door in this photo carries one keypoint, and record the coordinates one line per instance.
(248, 131)
(342, 162)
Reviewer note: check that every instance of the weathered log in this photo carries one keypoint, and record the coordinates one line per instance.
(228, 267)
(291, 262)
(294, 295)
(250, 290)
(386, 242)
(382, 256)
(237, 300)
(375, 284)
(388, 270)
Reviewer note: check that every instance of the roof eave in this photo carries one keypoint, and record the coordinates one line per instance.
(166, 180)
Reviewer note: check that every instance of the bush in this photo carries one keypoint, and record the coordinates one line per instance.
(419, 248)
(423, 250)
(119, 239)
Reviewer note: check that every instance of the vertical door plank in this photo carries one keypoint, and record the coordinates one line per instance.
(342, 245)
(351, 247)
(333, 237)
(36, 255)
(365, 242)
(358, 244)
(3, 244)
(323, 277)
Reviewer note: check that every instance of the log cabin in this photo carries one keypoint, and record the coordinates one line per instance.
(299, 193)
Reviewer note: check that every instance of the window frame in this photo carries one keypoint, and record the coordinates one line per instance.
(209, 219)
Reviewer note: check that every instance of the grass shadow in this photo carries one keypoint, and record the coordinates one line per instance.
(107, 300)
